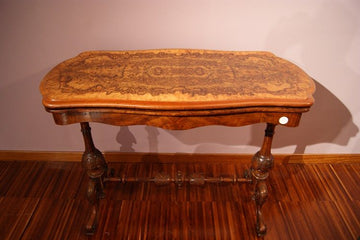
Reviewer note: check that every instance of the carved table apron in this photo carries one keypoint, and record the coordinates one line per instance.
(177, 89)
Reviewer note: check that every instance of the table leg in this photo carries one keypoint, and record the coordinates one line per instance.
(262, 162)
(95, 166)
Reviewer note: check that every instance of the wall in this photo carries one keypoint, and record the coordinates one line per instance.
(322, 37)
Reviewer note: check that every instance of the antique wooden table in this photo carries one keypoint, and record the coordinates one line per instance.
(177, 89)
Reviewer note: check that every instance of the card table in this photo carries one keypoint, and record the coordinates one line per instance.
(177, 89)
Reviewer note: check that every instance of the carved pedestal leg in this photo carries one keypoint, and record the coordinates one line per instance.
(95, 166)
(262, 162)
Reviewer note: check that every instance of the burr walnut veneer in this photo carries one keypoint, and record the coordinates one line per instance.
(177, 89)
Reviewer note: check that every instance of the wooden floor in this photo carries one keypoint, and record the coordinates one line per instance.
(46, 200)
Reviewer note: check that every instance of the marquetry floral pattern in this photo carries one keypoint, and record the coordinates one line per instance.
(176, 75)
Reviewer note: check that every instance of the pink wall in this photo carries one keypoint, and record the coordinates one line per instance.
(322, 37)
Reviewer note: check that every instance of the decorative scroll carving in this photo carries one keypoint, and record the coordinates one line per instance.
(181, 178)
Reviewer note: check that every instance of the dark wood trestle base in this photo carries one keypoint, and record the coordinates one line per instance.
(98, 172)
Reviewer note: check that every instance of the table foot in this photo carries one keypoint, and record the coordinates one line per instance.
(91, 226)
(262, 162)
(93, 216)
(96, 167)
(260, 196)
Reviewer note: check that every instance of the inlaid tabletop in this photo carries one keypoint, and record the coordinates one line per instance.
(176, 79)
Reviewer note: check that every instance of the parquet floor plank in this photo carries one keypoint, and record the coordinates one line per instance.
(46, 200)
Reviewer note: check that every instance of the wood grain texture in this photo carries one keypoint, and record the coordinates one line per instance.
(46, 200)
(177, 89)
(176, 79)
(138, 157)
(181, 121)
